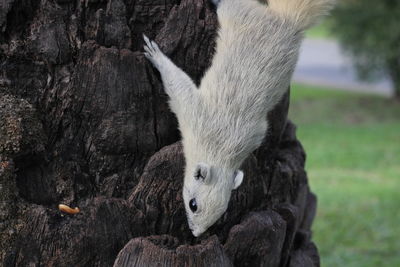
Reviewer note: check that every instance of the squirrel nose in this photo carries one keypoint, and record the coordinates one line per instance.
(197, 232)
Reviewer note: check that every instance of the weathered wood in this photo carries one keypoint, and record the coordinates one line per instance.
(84, 121)
(164, 251)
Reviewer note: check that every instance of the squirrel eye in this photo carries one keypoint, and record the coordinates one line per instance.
(193, 204)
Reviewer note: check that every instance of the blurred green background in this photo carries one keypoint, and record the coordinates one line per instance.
(352, 141)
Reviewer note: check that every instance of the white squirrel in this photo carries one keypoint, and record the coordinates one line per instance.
(224, 120)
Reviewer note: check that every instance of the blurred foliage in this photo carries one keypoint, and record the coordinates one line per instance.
(370, 31)
(353, 145)
(321, 31)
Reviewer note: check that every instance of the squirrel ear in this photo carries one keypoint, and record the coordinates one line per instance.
(202, 172)
(237, 179)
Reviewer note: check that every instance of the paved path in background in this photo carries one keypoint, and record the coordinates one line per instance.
(322, 63)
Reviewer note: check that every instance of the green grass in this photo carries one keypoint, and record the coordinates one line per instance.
(320, 31)
(352, 143)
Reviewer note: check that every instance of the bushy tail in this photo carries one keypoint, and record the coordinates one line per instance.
(303, 13)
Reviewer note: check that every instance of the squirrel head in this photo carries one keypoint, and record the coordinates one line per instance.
(206, 193)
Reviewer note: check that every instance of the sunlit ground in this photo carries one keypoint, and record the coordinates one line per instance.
(352, 143)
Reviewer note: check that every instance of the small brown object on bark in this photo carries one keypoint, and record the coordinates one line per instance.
(67, 209)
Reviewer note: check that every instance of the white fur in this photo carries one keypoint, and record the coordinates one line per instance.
(225, 120)
(303, 13)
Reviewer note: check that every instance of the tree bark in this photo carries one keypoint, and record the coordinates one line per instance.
(393, 66)
(84, 121)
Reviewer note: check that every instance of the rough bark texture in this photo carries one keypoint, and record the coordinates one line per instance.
(84, 121)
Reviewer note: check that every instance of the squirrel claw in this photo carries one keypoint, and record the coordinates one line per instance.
(152, 52)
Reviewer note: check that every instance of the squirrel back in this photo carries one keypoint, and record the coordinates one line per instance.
(256, 53)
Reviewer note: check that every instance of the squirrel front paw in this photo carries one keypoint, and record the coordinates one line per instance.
(153, 52)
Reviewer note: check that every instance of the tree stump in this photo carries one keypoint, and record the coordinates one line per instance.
(84, 121)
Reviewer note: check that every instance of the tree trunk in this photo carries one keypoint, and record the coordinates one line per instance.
(84, 121)
(393, 66)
